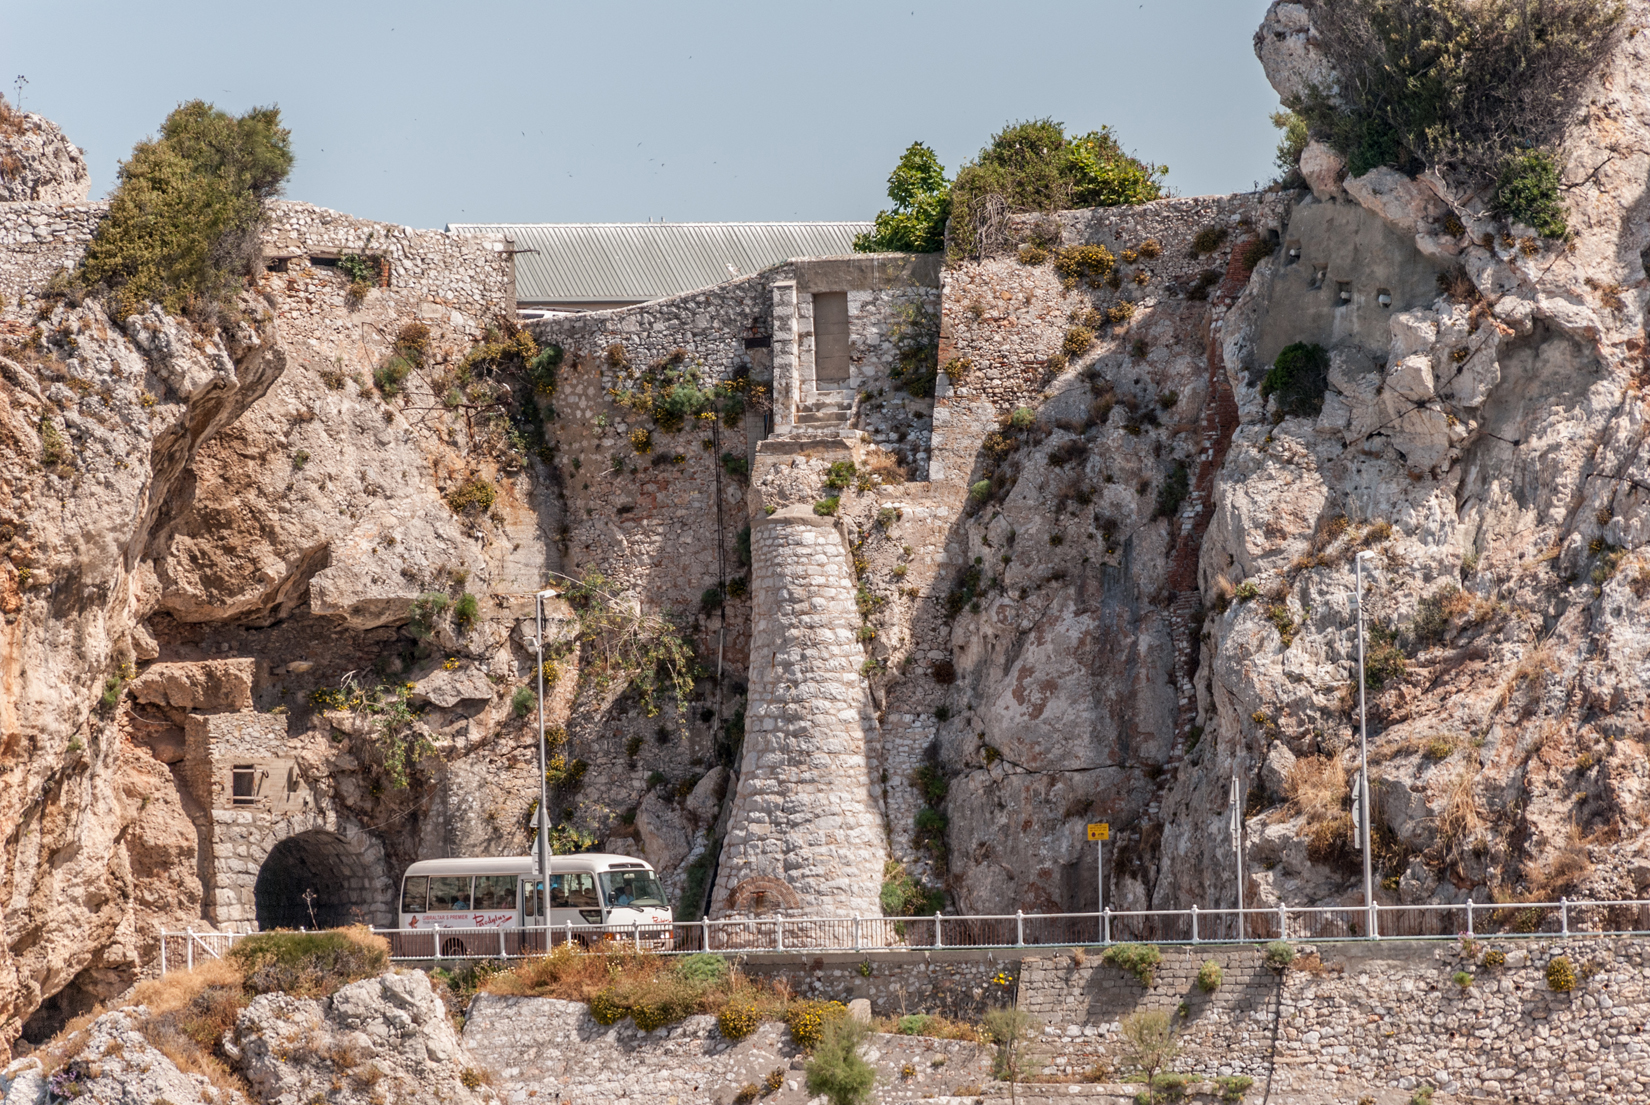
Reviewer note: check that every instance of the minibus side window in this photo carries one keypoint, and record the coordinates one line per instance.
(450, 893)
(415, 894)
(575, 891)
(495, 892)
(581, 891)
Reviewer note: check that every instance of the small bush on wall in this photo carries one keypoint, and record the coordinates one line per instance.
(1298, 379)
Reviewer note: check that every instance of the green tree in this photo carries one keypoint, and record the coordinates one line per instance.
(183, 221)
(922, 200)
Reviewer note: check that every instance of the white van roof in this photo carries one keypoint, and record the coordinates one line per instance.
(523, 865)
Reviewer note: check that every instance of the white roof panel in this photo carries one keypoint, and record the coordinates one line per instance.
(635, 262)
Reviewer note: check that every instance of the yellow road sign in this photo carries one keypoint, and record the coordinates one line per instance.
(1100, 830)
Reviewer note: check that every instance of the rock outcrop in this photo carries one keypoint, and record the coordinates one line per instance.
(380, 1039)
(37, 162)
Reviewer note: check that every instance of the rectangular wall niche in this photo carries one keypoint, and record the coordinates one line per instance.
(830, 338)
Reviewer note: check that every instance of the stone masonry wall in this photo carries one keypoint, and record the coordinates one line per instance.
(1342, 1023)
(804, 835)
(1347, 1019)
(543, 1049)
(38, 238)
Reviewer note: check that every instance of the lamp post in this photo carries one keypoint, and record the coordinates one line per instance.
(543, 851)
(1363, 757)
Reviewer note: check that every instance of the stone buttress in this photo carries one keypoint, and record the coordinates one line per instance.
(804, 837)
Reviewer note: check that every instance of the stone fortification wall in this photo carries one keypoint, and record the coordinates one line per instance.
(38, 238)
(804, 835)
(456, 284)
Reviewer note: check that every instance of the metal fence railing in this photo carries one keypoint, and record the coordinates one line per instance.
(1014, 930)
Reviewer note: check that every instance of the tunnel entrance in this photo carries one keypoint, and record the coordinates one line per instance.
(312, 880)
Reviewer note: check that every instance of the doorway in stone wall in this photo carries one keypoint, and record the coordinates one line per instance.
(830, 340)
(312, 880)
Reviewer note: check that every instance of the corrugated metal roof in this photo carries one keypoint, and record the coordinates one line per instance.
(630, 262)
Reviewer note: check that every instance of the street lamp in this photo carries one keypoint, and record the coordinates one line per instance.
(543, 852)
(1363, 756)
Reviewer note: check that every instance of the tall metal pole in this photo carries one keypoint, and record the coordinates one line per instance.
(544, 768)
(1363, 759)
(1237, 844)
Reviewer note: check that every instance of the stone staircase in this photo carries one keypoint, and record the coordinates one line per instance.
(829, 409)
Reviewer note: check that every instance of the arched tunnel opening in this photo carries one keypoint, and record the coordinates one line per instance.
(312, 880)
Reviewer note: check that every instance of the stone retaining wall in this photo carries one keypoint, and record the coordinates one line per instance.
(1350, 1019)
(1344, 1023)
(545, 1050)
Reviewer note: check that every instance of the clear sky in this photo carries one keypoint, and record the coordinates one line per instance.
(505, 110)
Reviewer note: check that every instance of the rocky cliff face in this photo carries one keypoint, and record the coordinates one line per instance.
(1483, 439)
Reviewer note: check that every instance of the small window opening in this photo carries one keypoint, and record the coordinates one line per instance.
(243, 784)
(1343, 292)
(1293, 254)
(1384, 298)
(276, 264)
(1319, 274)
(324, 262)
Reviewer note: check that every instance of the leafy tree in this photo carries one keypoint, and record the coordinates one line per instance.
(922, 200)
(183, 222)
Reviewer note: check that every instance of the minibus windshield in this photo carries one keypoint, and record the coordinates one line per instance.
(632, 888)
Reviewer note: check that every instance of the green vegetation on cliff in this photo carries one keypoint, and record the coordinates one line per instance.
(183, 222)
(1481, 85)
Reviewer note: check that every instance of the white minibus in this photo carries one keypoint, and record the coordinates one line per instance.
(587, 890)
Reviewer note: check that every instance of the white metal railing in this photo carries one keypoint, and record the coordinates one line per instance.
(1012, 930)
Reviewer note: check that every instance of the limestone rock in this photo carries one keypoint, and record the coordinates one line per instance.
(203, 685)
(41, 164)
(189, 364)
(118, 1066)
(23, 1082)
(1405, 204)
(1274, 773)
(385, 1038)
(666, 840)
(446, 689)
(1324, 169)
(1286, 47)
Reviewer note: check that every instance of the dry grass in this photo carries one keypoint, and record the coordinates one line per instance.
(1560, 873)
(1533, 669)
(1461, 820)
(644, 987)
(930, 1025)
(885, 466)
(1317, 787)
